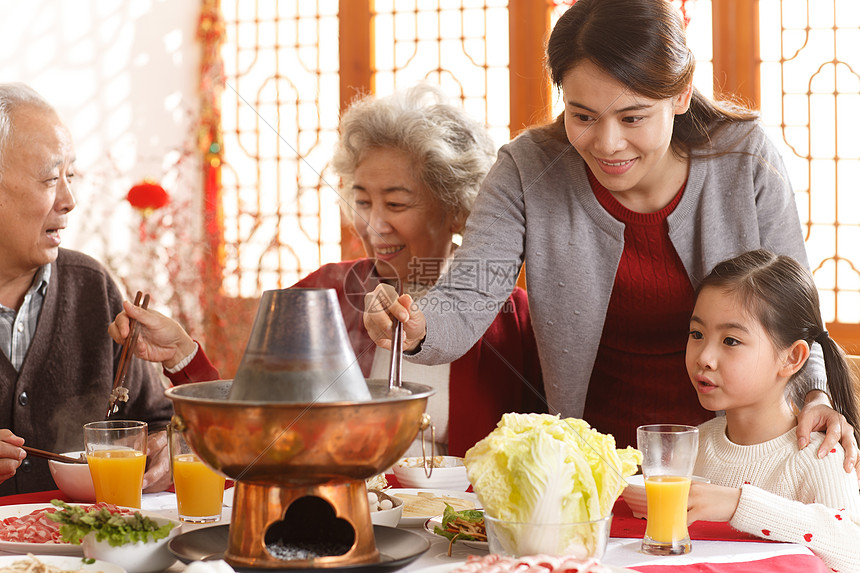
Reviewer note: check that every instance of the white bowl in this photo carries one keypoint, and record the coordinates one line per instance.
(388, 517)
(134, 557)
(74, 480)
(449, 474)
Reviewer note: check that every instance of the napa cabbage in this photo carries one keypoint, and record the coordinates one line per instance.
(538, 471)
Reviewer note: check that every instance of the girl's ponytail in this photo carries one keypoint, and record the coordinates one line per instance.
(840, 381)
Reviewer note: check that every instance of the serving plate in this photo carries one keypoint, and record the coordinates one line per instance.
(64, 562)
(436, 521)
(20, 510)
(397, 549)
(419, 520)
(7, 511)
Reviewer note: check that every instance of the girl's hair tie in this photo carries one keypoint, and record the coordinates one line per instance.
(822, 336)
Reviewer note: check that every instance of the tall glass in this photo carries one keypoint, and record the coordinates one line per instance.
(669, 454)
(116, 454)
(199, 489)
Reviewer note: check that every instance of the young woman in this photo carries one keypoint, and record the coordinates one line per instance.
(755, 318)
(618, 210)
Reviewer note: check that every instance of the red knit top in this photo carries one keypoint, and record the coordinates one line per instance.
(639, 376)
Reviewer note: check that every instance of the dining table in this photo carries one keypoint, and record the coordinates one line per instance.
(716, 547)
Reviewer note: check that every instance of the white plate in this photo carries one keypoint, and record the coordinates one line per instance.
(418, 520)
(65, 562)
(7, 511)
(447, 567)
(436, 521)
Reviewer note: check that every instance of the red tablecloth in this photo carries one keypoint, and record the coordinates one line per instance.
(624, 525)
(781, 564)
(36, 497)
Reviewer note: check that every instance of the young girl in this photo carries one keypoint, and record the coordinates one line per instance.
(755, 317)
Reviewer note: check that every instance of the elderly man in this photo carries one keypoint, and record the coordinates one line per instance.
(57, 362)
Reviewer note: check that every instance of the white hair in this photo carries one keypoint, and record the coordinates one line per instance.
(13, 96)
(451, 152)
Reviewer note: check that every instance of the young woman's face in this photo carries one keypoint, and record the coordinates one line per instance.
(399, 220)
(622, 136)
(731, 360)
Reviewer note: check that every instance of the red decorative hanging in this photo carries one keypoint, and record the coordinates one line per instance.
(147, 196)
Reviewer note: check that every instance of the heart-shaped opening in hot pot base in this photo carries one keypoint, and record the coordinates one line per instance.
(309, 529)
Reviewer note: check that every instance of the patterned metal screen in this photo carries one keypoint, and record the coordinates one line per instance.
(281, 104)
(810, 53)
(280, 113)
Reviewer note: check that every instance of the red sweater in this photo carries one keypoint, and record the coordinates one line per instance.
(639, 372)
(499, 374)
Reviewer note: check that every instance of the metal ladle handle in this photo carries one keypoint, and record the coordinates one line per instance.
(426, 423)
(396, 367)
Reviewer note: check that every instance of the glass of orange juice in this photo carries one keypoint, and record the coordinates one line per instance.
(116, 454)
(199, 489)
(668, 456)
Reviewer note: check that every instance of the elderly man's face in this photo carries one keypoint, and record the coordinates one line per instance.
(35, 191)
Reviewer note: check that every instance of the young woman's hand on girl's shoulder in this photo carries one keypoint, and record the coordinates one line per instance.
(818, 416)
(711, 502)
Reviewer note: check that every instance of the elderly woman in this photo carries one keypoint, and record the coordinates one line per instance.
(411, 166)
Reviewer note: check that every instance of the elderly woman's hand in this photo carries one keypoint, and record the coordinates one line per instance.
(817, 415)
(383, 303)
(161, 339)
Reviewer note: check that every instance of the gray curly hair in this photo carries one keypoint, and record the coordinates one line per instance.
(13, 96)
(451, 151)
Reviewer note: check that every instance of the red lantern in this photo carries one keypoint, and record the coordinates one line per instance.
(148, 196)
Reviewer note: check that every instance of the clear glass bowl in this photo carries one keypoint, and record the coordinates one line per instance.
(578, 539)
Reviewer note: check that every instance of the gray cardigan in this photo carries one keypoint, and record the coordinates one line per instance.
(536, 205)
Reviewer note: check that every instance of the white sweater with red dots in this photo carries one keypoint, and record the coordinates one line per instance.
(788, 494)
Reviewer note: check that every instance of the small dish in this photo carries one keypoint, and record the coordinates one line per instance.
(436, 521)
(448, 473)
(74, 480)
(434, 506)
(135, 557)
(389, 517)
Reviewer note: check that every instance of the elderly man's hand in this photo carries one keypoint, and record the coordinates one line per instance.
(161, 339)
(11, 454)
(157, 476)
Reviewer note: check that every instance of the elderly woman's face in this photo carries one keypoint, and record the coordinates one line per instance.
(35, 191)
(399, 220)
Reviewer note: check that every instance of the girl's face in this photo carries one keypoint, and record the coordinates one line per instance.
(624, 137)
(399, 220)
(731, 360)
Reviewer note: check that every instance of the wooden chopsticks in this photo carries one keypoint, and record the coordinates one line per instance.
(52, 456)
(125, 358)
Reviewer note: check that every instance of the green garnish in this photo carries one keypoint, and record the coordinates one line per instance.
(118, 529)
(466, 524)
(88, 560)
